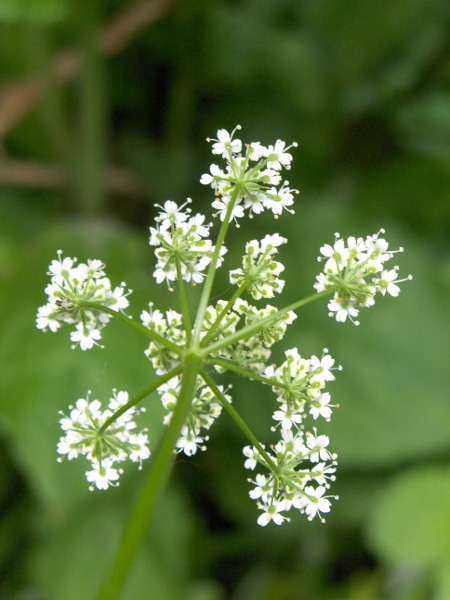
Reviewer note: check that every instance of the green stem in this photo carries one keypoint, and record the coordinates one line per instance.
(148, 390)
(257, 326)
(237, 294)
(223, 313)
(92, 126)
(129, 321)
(237, 419)
(183, 300)
(137, 524)
(230, 366)
(206, 293)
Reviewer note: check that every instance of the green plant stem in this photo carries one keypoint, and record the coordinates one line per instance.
(136, 399)
(92, 126)
(137, 524)
(183, 301)
(237, 419)
(228, 365)
(222, 314)
(237, 294)
(257, 326)
(206, 293)
(129, 321)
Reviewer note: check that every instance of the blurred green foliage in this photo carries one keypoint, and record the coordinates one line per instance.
(364, 88)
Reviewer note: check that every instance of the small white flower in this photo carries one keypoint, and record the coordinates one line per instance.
(250, 453)
(272, 513)
(322, 472)
(386, 282)
(216, 175)
(103, 475)
(46, 319)
(85, 336)
(277, 200)
(70, 445)
(153, 319)
(189, 442)
(338, 253)
(172, 213)
(287, 417)
(168, 275)
(278, 157)
(94, 269)
(319, 407)
(222, 207)
(315, 503)
(318, 445)
(343, 309)
(256, 151)
(270, 243)
(379, 246)
(225, 145)
(60, 269)
(255, 202)
(140, 450)
(263, 488)
(119, 299)
(324, 365)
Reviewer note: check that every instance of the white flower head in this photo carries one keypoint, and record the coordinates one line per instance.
(278, 156)
(315, 502)
(222, 208)
(103, 475)
(318, 446)
(172, 213)
(85, 336)
(225, 145)
(189, 442)
(273, 512)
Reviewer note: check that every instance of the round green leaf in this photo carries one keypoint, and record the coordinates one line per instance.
(44, 12)
(411, 520)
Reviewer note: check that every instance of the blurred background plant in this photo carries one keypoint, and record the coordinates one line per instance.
(104, 109)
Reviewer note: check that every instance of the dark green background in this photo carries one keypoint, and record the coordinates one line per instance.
(363, 87)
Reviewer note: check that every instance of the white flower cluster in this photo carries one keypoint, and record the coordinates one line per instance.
(253, 352)
(171, 328)
(183, 249)
(204, 411)
(259, 273)
(256, 174)
(205, 408)
(286, 488)
(104, 447)
(299, 385)
(250, 353)
(231, 335)
(71, 286)
(351, 269)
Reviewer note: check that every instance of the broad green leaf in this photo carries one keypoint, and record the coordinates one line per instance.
(42, 12)
(411, 519)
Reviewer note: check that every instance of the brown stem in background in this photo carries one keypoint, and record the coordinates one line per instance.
(19, 98)
(37, 175)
